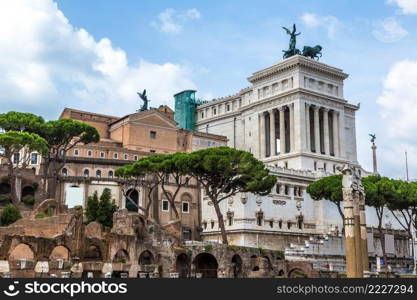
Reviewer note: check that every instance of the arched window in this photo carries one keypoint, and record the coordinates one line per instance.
(86, 173)
(110, 174)
(64, 172)
(98, 173)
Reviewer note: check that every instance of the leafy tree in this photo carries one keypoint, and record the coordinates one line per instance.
(379, 191)
(224, 172)
(170, 169)
(21, 122)
(22, 144)
(91, 211)
(10, 215)
(106, 209)
(139, 174)
(403, 205)
(62, 135)
(329, 188)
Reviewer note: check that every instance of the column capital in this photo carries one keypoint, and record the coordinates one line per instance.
(325, 109)
(271, 111)
(315, 107)
(282, 108)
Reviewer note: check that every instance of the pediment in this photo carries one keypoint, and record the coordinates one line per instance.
(153, 118)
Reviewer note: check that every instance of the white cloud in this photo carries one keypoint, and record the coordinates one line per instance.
(330, 23)
(389, 30)
(46, 64)
(170, 21)
(398, 109)
(406, 6)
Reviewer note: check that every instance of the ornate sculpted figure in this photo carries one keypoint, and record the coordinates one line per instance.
(373, 137)
(145, 100)
(292, 50)
(312, 52)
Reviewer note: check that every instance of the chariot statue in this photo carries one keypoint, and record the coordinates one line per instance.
(311, 52)
(373, 137)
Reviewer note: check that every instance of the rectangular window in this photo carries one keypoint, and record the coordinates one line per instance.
(202, 115)
(152, 134)
(34, 159)
(16, 158)
(135, 157)
(126, 157)
(76, 152)
(102, 155)
(227, 107)
(214, 111)
(152, 151)
(185, 207)
(116, 155)
(165, 205)
(90, 153)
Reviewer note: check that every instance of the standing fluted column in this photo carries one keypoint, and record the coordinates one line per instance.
(272, 138)
(326, 131)
(292, 139)
(335, 134)
(262, 135)
(282, 129)
(364, 233)
(308, 127)
(316, 130)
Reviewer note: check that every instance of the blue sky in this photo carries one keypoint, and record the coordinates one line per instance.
(95, 55)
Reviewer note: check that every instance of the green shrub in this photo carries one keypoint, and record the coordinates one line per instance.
(208, 248)
(29, 201)
(10, 215)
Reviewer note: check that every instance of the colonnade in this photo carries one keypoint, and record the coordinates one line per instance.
(321, 126)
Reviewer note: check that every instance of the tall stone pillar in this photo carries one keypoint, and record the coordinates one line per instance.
(307, 114)
(282, 129)
(262, 135)
(358, 243)
(272, 137)
(326, 131)
(353, 192)
(335, 133)
(316, 130)
(349, 228)
(292, 135)
(364, 233)
(375, 166)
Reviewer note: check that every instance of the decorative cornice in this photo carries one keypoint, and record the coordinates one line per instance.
(298, 61)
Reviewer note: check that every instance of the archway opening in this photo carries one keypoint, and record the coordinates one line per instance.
(206, 264)
(132, 200)
(254, 263)
(122, 256)
(28, 191)
(60, 252)
(146, 258)
(21, 252)
(236, 266)
(182, 265)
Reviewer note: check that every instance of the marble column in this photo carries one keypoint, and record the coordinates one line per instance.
(316, 130)
(308, 143)
(262, 135)
(335, 133)
(326, 131)
(272, 137)
(282, 129)
(292, 139)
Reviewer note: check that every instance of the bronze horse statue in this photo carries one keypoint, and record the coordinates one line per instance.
(312, 52)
